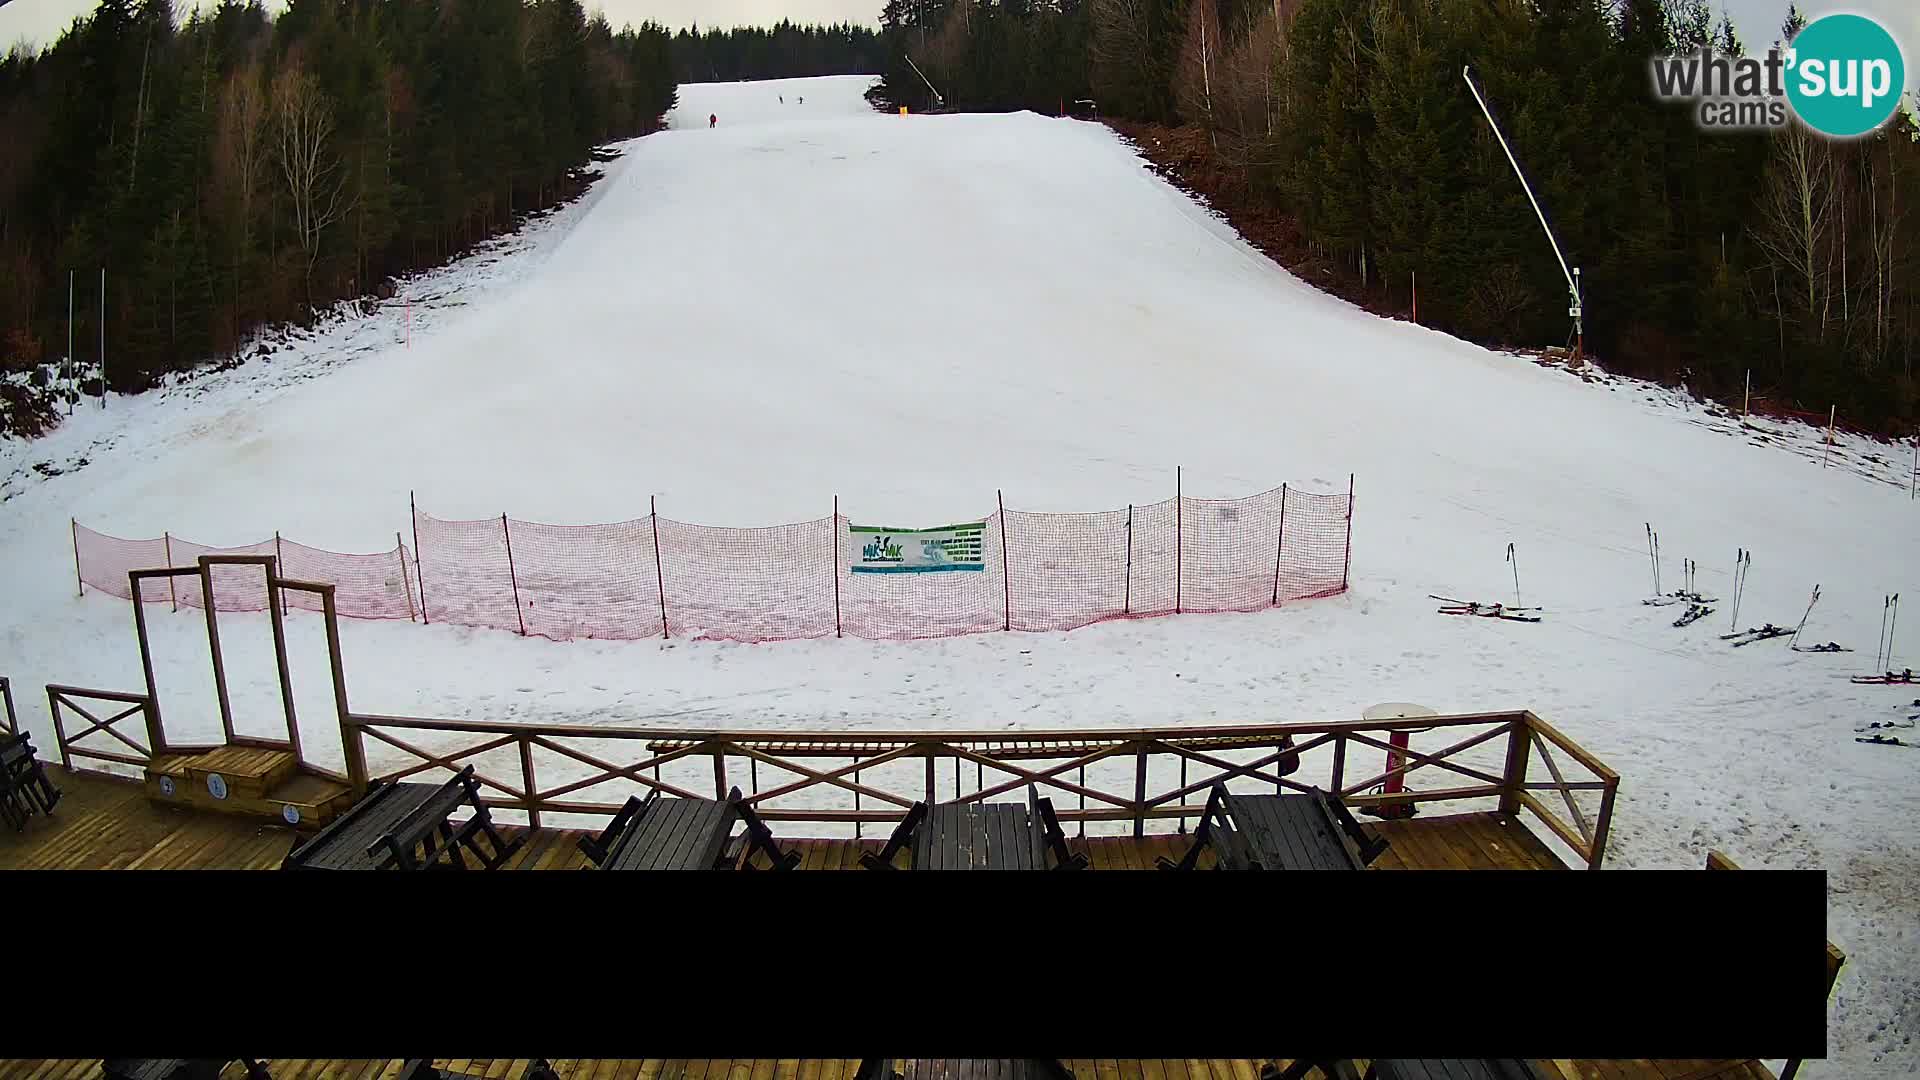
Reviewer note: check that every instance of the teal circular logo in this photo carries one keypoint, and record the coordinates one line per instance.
(1845, 75)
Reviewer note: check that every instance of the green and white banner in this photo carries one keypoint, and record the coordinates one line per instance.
(882, 550)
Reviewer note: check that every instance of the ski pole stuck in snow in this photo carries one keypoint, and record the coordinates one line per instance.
(1803, 617)
(1741, 561)
(1892, 625)
(1653, 560)
(1880, 647)
(1516, 575)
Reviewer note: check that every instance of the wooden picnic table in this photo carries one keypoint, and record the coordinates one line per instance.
(675, 834)
(1299, 831)
(658, 833)
(383, 830)
(24, 786)
(978, 835)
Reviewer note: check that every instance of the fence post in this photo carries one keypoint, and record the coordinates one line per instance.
(352, 741)
(526, 781)
(414, 512)
(1347, 567)
(659, 574)
(1006, 577)
(833, 545)
(60, 731)
(1339, 763)
(513, 579)
(1177, 500)
(279, 568)
(1140, 792)
(1601, 824)
(79, 581)
(406, 583)
(166, 542)
(1280, 545)
(1126, 598)
(1518, 735)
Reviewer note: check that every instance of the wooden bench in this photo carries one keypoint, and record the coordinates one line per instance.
(684, 834)
(962, 1069)
(24, 786)
(981, 836)
(407, 827)
(1310, 830)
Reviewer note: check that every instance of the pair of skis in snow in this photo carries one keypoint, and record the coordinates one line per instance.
(1485, 611)
(1753, 634)
(1891, 678)
(1695, 613)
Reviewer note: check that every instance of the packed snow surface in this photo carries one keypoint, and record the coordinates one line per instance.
(812, 299)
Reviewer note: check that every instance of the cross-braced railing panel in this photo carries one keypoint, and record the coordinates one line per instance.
(98, 718)
(1113, 780)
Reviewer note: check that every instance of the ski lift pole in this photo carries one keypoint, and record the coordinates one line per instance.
(1573, 274)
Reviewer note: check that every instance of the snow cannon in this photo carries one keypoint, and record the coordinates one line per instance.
(1397, 757)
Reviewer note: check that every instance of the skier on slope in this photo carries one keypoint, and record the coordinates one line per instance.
(783, 99)
(712, 120)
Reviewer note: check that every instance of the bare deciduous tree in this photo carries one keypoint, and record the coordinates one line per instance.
(316, 185)
(1796, 216)
(240, 161)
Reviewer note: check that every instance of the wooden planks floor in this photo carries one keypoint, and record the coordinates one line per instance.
(843, 1069)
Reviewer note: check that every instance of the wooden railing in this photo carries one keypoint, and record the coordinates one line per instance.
(1134, 777)
(11, 720)
(71, 698)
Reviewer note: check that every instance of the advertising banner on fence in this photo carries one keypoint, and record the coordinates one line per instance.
(917, 551)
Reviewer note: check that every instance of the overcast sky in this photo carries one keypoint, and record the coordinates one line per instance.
(1758, 21)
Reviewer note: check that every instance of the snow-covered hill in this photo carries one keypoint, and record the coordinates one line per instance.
(813, 299)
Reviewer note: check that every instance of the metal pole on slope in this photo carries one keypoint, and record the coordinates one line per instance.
(835, 545)
(68, 366)
(420, 573)
(1572, 275)
(1832, 411)
(103, 337)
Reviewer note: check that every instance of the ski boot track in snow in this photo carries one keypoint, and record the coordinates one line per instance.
(721, 324)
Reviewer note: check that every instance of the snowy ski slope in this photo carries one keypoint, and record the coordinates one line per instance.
(815, 299)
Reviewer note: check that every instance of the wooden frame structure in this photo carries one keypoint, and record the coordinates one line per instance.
(10, 719)
(146, 707)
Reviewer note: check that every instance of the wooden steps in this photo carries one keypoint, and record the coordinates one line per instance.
(250, 781)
